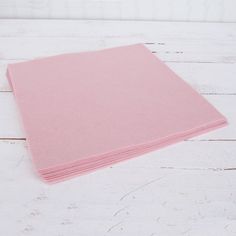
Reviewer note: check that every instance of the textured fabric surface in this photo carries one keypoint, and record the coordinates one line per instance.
(84, 111)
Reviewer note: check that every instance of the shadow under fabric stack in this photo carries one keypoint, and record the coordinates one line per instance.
(85, 111)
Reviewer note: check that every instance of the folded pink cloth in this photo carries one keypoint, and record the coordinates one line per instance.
(84, 111)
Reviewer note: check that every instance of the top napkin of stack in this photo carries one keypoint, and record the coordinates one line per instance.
(84, 111)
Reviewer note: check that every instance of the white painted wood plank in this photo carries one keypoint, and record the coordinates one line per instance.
(115, 28)
(181, 42)
(132, 198)
(179, 50)
(11, 126)
(180, 10)
(206, 78)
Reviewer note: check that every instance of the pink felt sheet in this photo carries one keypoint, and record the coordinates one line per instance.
(84, 111)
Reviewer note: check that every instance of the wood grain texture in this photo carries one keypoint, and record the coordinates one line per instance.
(175, 42)
(185, 189)
(171, 10)
(137, 197)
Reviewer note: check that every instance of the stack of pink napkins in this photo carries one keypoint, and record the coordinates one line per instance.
(84, 111)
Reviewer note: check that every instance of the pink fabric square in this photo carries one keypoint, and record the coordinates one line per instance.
(84, 111)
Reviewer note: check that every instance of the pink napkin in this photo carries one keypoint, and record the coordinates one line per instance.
(84, 111)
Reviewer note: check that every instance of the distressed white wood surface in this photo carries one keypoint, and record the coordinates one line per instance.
(176, 42)
(172, 10)
(184, 189)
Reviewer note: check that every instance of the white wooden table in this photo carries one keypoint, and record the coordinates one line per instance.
(184, 189)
